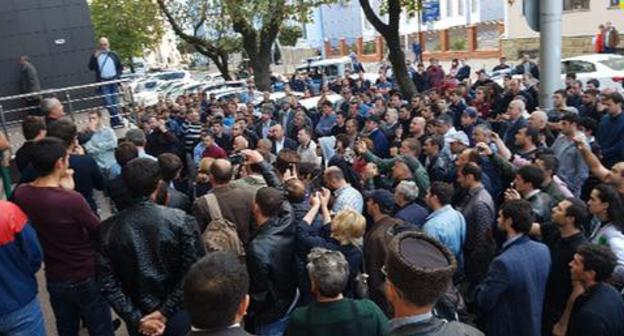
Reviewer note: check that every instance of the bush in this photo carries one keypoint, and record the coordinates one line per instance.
(289, 34)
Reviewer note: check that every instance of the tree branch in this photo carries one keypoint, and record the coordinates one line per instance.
(381, 27)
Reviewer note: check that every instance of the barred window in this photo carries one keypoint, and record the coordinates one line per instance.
(576, 4)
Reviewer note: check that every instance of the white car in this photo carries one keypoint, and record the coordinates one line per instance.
(608, 69)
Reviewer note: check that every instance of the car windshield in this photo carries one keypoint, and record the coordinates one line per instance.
(614, 63)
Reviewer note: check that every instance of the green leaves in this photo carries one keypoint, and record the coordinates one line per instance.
(130, 25)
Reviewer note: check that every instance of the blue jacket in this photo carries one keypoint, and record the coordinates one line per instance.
(382, 146)
(20, 259)
(512, 295)
(611, 140)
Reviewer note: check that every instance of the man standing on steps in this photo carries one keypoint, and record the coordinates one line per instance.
(107, 66)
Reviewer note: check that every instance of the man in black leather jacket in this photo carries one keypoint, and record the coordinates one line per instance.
(271, 255)
(143, 254)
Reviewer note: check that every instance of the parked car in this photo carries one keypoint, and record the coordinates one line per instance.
(608, 69)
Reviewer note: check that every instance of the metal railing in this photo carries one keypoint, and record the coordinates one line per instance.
(77, 99)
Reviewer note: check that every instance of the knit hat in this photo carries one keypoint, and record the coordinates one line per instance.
(420, 267)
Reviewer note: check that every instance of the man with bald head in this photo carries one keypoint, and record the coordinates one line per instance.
(108, 67)
(280, 141)
(539, 121)
(515, 122)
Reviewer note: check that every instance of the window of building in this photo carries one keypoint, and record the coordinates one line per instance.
(569, 5)
(449, 8)
(460, 7)
(475, 5)
(614, 3)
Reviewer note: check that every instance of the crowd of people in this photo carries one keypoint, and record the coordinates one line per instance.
(462, 210)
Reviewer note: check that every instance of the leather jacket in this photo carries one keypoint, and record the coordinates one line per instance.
(142, 256)
(271, 262)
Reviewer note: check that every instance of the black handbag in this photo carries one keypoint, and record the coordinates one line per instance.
(360, 282)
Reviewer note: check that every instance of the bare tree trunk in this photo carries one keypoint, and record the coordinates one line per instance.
(399, 68)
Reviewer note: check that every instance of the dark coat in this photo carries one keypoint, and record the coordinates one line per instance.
(381, 144)
(271, 262)
(509, 137)
(511, 297)
(435, 327)
(94, 66)
(29, 79)
(463, 73)
(288, 143)
(599, 311)
(142, 255)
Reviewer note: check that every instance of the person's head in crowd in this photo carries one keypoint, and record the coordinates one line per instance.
(613, 103)
(137, 137)
(577, 88)
(33, 128)
(328, 271)
(593, 84)
(352, 127)
(458, 142)
(215, 291)
(217, 127)
(295, 190)
(455, 96)
(469, 176)
(570, 78)
(405, 113)
(466, 156)
(276, 132)
(590, 96)
(516, 109)
(304, 136)
(427, 113)
(606, 204)
(589, 126)
(442, 106)
(240, 143)
(548, 163)
(267, 113)
(193, 116)
(592, 264)
(570, 214)
(433, 145)
(569, 124)
(95, 116)
(333, 178)
(379, 202)
(439, 195)
(327, 108)
(237, 130)
(52, 108)
(342, 143)
(141, 176)
(64, 130)
(417, 126)
(410, 147)
(515, 217)
(528, 178)
(348, 227)
(267, 204)
(125, 152)
(527, 138)
(286, 159)
(405, 193)
(443, 124)
(372, 123)
(419, 270)
(401, 169)
(559, 99)
(538, 119)
(50, 157)
(207, 139)
(341, 118)
(481, 133)
(170, 166)
(203, 170)
(221, 172)
(396, 100)
(469, 117)
(299, 120)
(264, 147)
(392, 116)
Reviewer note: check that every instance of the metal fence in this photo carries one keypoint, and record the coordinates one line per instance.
(76, 101)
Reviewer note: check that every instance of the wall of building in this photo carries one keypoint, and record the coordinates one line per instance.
(575, 23)
(56, 34)
(343, 19)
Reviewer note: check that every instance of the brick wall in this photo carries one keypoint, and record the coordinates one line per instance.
(571, 46)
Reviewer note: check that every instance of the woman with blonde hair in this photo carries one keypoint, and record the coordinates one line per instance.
(343, 233)
(202, 181)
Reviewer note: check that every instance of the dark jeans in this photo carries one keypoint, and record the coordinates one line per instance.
(76, 301)
(110, 93)
(178, 325)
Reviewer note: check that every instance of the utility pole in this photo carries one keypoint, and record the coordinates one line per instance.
(550, 50)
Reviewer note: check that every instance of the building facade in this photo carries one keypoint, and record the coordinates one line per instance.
(579, 26)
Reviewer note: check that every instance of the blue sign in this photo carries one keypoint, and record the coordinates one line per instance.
(431, 10)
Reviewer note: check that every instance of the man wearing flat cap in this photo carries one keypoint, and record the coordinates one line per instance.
(419, 270)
